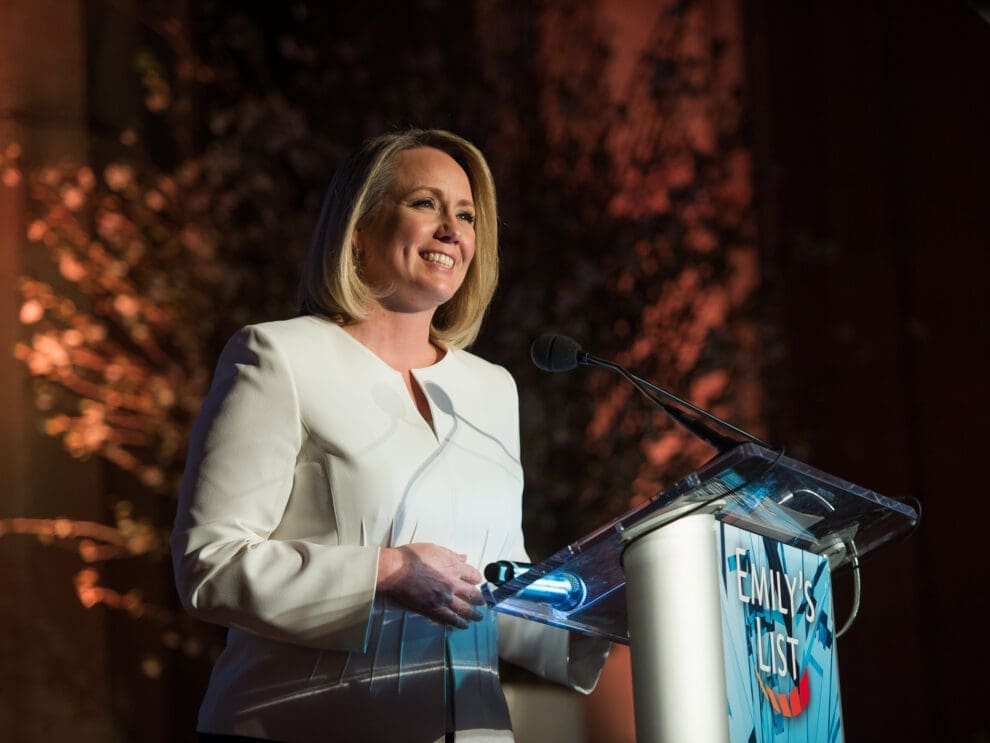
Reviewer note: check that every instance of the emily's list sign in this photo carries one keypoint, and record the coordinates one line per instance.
(779, 641)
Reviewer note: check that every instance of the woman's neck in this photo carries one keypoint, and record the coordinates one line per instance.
(400, 339)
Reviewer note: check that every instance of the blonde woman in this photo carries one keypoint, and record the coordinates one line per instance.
(354, 468)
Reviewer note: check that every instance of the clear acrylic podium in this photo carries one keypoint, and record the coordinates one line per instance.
(627, 580)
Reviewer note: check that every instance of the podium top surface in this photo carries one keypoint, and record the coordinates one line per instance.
(581, 587)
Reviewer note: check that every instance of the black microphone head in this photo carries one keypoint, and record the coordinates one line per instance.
(552, 352)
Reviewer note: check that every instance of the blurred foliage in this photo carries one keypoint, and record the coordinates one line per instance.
(121, 372)
(628, 226)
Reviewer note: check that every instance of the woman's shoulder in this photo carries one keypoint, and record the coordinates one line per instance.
(298, 341)
(302, 326)
(484, 370)
(296, 332)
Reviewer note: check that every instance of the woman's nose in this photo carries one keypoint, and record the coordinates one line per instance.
(448, 230)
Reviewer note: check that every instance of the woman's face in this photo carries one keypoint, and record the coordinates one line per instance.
(420, 241)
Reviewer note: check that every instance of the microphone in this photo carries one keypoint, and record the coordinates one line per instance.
(563, 591)
(503, 571)
(553, 352)
(556, 353)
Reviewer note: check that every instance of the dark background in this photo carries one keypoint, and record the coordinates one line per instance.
(872, 140)
(862, 348)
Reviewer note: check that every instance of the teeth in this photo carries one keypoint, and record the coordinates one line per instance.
(439, 258)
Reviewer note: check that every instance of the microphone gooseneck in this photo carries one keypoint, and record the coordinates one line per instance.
(553, 352)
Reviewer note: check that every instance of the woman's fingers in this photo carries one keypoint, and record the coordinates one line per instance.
(465, 610)
(471, 595)
(471, 575)
(450, 617)
(439, 583)
(459, 614)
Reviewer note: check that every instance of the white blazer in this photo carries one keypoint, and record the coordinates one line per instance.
(309, 456)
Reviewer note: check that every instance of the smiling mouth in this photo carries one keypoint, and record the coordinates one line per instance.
(439, 258)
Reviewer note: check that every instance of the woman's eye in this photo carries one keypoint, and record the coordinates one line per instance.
(466, 217)
(427, 203)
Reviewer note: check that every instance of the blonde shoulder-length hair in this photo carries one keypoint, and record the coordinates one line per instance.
(331, 284)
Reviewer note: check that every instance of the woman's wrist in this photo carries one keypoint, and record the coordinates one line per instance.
(391, 562)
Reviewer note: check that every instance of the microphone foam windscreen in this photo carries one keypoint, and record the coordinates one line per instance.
(552, 352)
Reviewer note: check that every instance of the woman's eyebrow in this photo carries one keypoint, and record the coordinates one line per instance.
(439, 193)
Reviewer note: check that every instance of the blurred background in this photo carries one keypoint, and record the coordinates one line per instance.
(776, 210)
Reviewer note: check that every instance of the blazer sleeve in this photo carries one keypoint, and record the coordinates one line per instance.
(568, 658)
(237, 482)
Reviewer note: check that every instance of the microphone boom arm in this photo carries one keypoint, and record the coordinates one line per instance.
(556, 353)
(658, 395)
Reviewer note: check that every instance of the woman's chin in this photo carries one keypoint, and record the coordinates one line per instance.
(418, 305)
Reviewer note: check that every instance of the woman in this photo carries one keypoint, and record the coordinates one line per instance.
(354, 467)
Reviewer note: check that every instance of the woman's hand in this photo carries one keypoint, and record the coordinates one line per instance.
(433, 581)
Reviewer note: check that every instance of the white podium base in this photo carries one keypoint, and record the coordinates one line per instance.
(675, 631)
